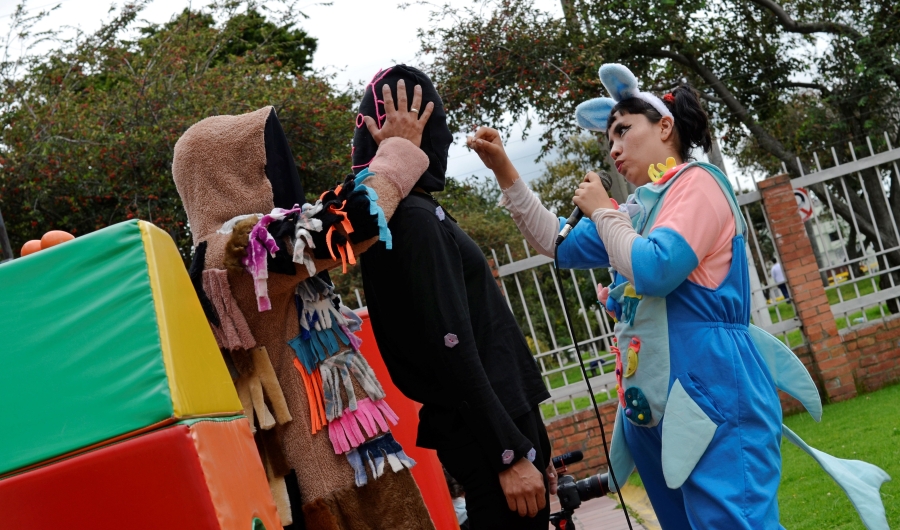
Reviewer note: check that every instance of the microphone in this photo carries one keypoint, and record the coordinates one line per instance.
(577, 214)
(560, 462)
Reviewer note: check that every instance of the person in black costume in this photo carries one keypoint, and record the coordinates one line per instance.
(450, 341)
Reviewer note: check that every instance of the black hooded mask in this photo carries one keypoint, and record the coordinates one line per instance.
(436, 138)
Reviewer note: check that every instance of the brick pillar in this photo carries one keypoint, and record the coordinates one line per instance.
(831, 365)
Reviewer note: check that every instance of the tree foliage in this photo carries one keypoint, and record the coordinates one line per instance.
(575, 157)
(88, 128)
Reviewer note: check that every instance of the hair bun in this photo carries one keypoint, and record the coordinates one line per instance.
(691, 120)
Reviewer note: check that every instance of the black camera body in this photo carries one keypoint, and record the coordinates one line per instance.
(572, 493)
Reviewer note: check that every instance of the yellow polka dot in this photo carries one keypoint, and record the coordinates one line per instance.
(640, 416)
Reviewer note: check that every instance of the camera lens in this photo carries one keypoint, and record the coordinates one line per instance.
(593, 487)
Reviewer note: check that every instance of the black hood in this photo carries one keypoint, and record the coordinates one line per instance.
(436, 138)
(281, 170)
(287, 191)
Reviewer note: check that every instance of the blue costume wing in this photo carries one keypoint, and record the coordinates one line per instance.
(686, 433)
(788, 371)
(622, 463)
(860, 480)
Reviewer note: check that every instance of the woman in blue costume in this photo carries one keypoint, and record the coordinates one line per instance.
(699, 412)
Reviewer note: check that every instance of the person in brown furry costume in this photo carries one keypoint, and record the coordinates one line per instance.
(230, 166)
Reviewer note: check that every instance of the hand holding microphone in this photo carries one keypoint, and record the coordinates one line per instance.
(591, 194)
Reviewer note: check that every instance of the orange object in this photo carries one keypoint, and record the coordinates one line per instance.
(30, 247)
(55, 237)
(200, 474)
(428, 472)
(315, 396)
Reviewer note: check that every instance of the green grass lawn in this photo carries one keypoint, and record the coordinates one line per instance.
(866, 428)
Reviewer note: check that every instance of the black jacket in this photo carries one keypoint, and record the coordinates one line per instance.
(435, 284)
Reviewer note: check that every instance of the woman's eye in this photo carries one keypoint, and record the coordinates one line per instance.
(625, 130)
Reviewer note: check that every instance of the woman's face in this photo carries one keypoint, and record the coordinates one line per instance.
(635, 143)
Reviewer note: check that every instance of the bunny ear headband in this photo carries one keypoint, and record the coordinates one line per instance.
(621, 84)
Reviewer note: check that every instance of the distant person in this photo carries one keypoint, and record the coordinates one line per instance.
(458, 494)
(778, 276)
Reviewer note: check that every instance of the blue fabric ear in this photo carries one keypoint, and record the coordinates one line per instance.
(619, 81)
(594, 113)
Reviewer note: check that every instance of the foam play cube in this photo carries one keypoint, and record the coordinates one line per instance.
(197, 474)
(101, 338)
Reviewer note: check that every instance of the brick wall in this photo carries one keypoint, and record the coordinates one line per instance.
(579, 432)
(875, 352)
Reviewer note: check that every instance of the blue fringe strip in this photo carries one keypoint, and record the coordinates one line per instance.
(384, 233)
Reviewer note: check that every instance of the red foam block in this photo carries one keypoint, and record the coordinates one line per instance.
(171, 478)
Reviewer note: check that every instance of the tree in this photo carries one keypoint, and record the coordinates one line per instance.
(758, 64)
(88, 128)
(576, 156)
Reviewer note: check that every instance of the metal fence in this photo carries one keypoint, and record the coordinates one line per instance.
(530, 288)
(854, 228)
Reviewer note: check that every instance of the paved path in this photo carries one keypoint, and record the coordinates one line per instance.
(599, 514)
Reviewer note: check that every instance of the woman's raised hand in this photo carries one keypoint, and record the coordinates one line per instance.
(401, 120)
(591, 195)
(489, 147)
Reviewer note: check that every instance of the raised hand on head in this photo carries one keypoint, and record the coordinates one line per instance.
(401, 120)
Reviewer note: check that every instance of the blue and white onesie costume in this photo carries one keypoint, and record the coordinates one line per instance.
(700, 416)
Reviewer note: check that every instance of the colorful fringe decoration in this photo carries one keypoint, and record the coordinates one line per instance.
(314, 394)
(261, 241)
(345, 433)
(374, 453)
(384, 233)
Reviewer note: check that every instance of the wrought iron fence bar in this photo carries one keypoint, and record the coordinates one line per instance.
(523, 264)
(537, 345)
(502, 283)
(840, 170)
(886, 201)
(605, 380)
(537, 287)
(605, 330)
(837, 227)
(749, 198)
(862, 186)
(853, 217)
(762, 261)
(782, 327)
(870, 299)
(562, 349)
(874, 254)
(587, 322)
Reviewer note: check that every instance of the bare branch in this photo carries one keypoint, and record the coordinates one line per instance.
(807, 28)
(766, 140)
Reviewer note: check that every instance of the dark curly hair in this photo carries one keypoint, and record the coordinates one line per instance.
(691, 121)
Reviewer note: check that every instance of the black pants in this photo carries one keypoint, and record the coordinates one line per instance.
(784, 290)
(485, 502)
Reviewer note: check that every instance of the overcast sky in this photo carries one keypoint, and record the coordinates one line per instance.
(345, 49)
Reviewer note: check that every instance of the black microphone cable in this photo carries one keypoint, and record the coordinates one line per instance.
(587, 380)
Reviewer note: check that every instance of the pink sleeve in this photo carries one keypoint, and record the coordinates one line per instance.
(696, 208)
(401, 162)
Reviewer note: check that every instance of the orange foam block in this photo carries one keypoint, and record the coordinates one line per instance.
(197, 474)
